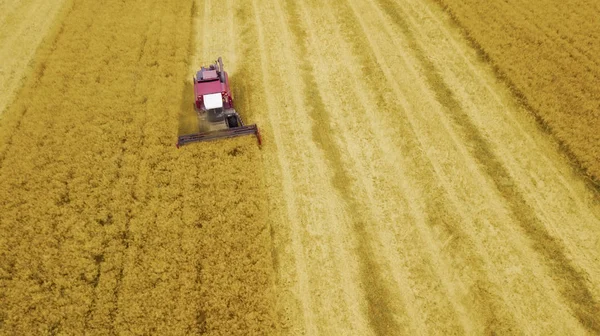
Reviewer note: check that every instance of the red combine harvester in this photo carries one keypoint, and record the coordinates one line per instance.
(214, 103)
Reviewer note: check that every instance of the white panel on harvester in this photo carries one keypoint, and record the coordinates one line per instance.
(213, 100)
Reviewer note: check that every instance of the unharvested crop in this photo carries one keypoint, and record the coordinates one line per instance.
(106, 226)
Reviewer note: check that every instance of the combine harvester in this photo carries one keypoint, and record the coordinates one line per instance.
(214, 103)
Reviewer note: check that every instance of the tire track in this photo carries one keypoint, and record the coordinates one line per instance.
(378, 296)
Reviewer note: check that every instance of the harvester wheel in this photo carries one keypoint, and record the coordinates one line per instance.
(232, 122)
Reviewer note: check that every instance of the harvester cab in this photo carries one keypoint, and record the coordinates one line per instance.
(217, 118)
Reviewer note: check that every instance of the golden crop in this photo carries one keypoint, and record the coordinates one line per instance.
(106, 226)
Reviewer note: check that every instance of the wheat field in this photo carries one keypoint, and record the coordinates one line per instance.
(402, 187)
